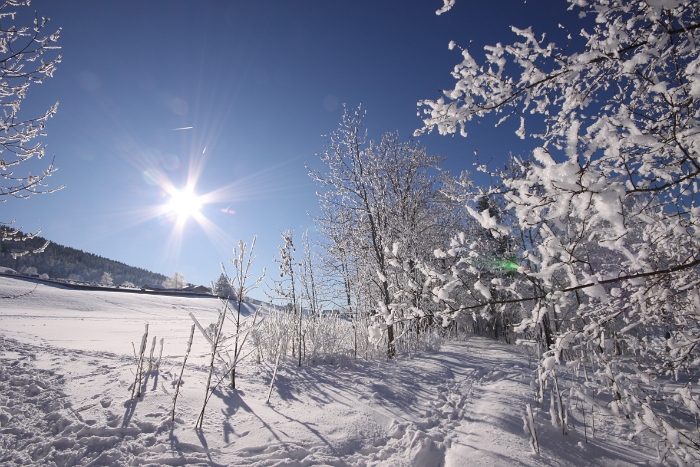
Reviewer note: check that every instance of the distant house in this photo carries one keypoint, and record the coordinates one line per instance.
(196, 289)
(189, 289)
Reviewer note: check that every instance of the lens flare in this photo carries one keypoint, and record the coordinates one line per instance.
(497, 264)
(507, 265)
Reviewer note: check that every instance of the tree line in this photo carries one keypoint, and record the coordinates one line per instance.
(63, 262)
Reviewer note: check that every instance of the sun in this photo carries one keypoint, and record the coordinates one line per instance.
(184, 203)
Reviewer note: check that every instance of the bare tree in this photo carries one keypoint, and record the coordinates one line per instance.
(214, 334)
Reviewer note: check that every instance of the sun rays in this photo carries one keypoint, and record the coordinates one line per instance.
(181, 207)
(173, 196)
(184, 204)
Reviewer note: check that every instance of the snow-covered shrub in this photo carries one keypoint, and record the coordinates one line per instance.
(286, 289)
(272, 336)
(332, 336)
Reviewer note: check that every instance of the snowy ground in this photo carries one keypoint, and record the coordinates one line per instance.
(66, 371)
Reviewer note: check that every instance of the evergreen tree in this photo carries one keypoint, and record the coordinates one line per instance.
(222, 287)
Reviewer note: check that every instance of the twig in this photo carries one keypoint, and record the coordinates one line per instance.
(182, 370)
(139, 367)
(274, 374)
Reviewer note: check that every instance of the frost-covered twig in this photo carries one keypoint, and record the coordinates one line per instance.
(150, 357)
(530, 430)
(182, 371)
(136, 389)
(274, 373)
(214, 340)
(160, 354)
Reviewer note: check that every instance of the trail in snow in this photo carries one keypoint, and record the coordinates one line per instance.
(70, 406)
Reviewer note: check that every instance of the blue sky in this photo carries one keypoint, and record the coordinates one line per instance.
(259, 83)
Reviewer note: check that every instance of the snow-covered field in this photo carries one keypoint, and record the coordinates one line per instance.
(67, 368)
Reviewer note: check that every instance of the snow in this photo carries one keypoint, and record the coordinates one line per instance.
(67, 366)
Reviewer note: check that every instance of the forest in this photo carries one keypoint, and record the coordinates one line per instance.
(61, 262)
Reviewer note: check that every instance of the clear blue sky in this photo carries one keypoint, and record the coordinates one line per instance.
(259, 83)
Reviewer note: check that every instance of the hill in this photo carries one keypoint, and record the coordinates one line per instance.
(60, 261)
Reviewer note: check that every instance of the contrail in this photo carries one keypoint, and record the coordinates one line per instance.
(183, 128)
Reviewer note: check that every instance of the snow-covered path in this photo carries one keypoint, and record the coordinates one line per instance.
(67, 401)
(498, 384)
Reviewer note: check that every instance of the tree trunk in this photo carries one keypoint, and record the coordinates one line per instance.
(391, 347)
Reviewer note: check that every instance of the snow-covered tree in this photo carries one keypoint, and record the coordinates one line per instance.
(106, 279)
(609, 199)
(286, 288)
(24, 60)
(239, 286)
(222, 286)
(177, 281)
(375, 197)
(224, 359)
(308, 276)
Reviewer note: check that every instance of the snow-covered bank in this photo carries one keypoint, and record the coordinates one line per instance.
(66, 400)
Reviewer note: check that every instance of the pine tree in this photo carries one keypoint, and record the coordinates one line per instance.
(222, 287)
